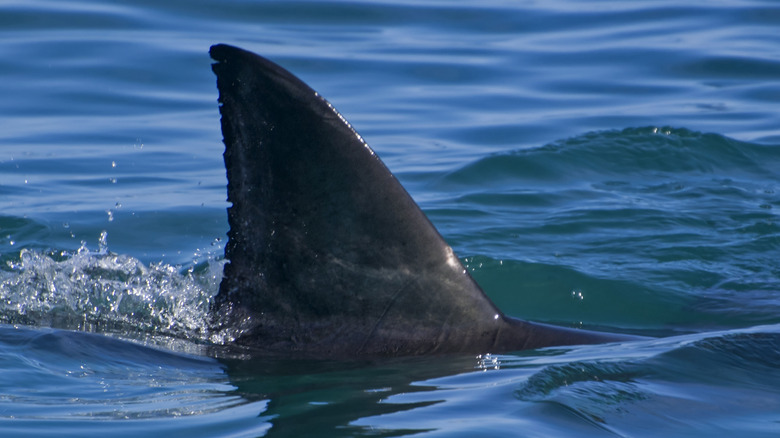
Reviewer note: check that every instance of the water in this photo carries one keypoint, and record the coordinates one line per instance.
(594, 164)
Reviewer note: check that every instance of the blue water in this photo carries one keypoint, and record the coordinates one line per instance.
(608, 165)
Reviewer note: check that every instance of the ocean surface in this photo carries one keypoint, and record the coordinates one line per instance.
(597, 164)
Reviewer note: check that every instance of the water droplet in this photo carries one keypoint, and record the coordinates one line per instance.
(103, 241)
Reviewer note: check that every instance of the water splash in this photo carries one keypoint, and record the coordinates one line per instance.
(99, 291)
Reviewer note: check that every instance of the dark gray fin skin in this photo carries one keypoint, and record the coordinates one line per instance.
(328, 255)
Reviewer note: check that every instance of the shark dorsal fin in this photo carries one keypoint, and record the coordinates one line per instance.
(328, 255)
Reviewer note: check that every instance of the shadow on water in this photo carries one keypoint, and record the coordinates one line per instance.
(319, 398)
(102, 377)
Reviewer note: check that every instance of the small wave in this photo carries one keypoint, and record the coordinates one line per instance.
(743, 358)
(664, 229)
(627, 153)
(647, 377)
